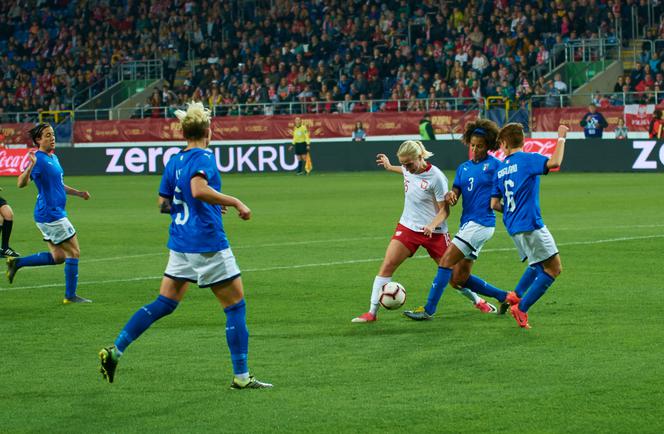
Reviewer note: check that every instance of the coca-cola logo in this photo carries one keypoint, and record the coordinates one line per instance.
(540, 146)
(13, 161)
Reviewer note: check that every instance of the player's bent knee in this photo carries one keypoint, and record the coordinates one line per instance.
(58, 258)
(553, 271)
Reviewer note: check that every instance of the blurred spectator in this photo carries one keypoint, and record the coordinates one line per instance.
(559, 84)
(593, 122)
(426, 129)
(621, 130)
(359, 134)
(292, 52)
(360, 106)
(656, 125)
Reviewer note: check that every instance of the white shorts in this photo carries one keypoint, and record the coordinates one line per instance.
(57, 232)
(535, 246)
(471, 238)
(205, 269)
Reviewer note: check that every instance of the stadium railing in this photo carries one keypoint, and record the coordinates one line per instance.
(285, 108)
(326, 107)
(135, 70)
(578, 50)
(600, 99)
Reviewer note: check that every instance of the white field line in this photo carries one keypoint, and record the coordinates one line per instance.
(336, 240)
(249, 246)
(329, 264)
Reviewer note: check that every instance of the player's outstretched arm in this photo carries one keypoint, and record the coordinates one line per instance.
(202, 191)
(382, 160)
(557, 158)
(441, 216)
(24, 178)
(73, 192)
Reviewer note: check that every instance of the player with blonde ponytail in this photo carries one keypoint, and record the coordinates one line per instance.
(423, 221)
(190, 192)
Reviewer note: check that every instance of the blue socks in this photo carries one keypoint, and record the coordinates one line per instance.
(71, 277)
(143, 319)
(527, 279)
(439, 283)
(237, 336)
(537, 290)
(43, 258)
(479, 286)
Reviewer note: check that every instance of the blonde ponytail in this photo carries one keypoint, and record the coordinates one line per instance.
(195, 121)
(413, 149)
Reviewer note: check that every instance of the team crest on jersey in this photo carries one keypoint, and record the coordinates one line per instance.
(486, 166)
(424, 184)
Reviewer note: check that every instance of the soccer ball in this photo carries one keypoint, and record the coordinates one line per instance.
(392, 295)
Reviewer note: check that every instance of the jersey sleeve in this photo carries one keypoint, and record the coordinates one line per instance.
(457, 179)
(496, 191)
(167, 186)
(440, 187)
(36, 170)
(537, 164)
(204, 166)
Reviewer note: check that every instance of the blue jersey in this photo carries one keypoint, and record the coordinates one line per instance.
(196, 226)
(517, 183)
(475, 182)
(47, 175)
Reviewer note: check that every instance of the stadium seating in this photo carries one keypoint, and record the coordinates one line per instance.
(333, 53)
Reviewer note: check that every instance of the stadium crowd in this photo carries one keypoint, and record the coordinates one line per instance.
(344, 53)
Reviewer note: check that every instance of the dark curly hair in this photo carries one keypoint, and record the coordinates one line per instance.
(484, 128)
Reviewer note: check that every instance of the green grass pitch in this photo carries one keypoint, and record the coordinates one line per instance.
(591, 363)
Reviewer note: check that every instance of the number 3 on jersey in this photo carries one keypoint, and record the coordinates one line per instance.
(510, 204)
(471, 180)
(181, 217)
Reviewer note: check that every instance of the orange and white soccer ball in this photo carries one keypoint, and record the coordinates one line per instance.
(392, 295)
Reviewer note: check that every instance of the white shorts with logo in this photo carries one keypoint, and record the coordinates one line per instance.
(205, 269)
(57, 232)
(471, 238)
(535, 246)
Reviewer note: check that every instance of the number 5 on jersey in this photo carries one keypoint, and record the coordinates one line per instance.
(181, 217)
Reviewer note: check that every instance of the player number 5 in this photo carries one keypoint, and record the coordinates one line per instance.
(181, 217)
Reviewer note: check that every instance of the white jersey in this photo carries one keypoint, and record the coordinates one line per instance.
(422, 193)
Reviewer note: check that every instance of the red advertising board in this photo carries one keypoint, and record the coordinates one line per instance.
(548, 119)
(16, 134)
(13, 161)
(270, 127)
(637, 117)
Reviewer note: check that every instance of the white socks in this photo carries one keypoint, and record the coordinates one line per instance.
(470, 295)
(379, 281)
(242, 377)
